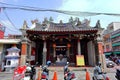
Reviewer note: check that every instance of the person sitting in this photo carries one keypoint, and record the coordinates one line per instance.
(58, 59)
(98, 69)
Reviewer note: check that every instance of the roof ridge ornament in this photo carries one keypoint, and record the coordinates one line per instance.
(98, 25)
(61, 22)
(34, 21)
(25, 25)
(51, 19)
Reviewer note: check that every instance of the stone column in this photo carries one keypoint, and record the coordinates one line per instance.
(68, 49)
(96, 51)
(44, 52)
(101, 55)
(23, 52)
(79, 47)
(54, 52)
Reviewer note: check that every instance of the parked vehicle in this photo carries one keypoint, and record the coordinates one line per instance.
(98, 74)
(118, 61)
(45, 71)
(117, 74)
(68, 75)
(33, 72)
(109, 63)
(28, 72)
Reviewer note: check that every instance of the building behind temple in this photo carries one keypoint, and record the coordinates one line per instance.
(111, 39)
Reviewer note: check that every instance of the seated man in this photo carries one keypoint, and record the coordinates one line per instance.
(58, 59)
(98, 69)
(61, 57)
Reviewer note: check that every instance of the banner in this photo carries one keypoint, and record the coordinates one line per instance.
(19, 73)
(80, 60)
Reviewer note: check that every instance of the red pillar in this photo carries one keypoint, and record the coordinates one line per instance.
(23, 53)
(100, 47)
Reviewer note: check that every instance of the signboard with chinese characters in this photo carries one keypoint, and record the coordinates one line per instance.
(80, 60)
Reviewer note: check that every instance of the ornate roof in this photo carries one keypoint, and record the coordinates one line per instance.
(72, 26)
(61, 27)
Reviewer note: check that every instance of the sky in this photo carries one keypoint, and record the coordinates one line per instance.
(17, 17)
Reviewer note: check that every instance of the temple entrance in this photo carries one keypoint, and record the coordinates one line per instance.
(39, 51)
(61, 53)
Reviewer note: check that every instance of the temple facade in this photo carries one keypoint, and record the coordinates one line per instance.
(61, 42)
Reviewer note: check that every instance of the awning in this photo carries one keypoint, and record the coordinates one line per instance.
(116, 52)
(9, 41)
(115, 35)
(107, 53)
(116, 44)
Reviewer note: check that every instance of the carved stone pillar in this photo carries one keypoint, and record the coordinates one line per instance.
(54, 52)
(68, 50)
(44, 52)
(79, 47)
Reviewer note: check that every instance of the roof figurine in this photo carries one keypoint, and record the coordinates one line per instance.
(25, 25)
(61, 22)
(34, 21)
(71, 20)
(78, 22)
(98, 25)
(51, 19)
(86, 22)
(45, 20)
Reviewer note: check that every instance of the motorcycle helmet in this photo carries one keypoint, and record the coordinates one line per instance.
(99, 64)
(48, 63)
(67, 63)
(28, 69)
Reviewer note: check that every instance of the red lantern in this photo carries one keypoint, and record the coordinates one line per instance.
(68, 45)
(54, 45)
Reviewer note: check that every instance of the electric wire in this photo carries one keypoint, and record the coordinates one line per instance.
(9, 19)
(75, 13)
(36, 9)
(13, 30)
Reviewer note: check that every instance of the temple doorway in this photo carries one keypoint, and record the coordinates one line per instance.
(61, 54)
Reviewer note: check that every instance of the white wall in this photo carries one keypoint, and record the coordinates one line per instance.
(116, 25)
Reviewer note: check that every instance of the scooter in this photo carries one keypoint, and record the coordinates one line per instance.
(117, 74)
(45, 71)
(98, 74)
(33, 72)
(28, 73)
(68, 75)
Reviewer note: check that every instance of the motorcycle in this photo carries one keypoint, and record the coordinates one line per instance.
(117, 74)
(27, 73)
(30, 72)
(33, 72)
(98, 74)
(68, 75)
(45, 71)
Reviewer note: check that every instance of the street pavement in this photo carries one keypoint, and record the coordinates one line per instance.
(80, 74)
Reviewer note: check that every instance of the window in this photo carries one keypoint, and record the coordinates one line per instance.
(8, 62)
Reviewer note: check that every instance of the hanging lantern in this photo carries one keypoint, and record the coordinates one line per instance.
(68, 45)
(54, 45)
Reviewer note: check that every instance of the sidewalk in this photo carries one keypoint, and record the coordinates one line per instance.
(79, 72)
(6, 75)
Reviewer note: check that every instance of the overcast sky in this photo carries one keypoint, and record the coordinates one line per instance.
(18, 16)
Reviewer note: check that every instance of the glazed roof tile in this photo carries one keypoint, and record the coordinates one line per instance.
(61, 27)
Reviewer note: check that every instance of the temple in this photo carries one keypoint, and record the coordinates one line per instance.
(60, 42)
